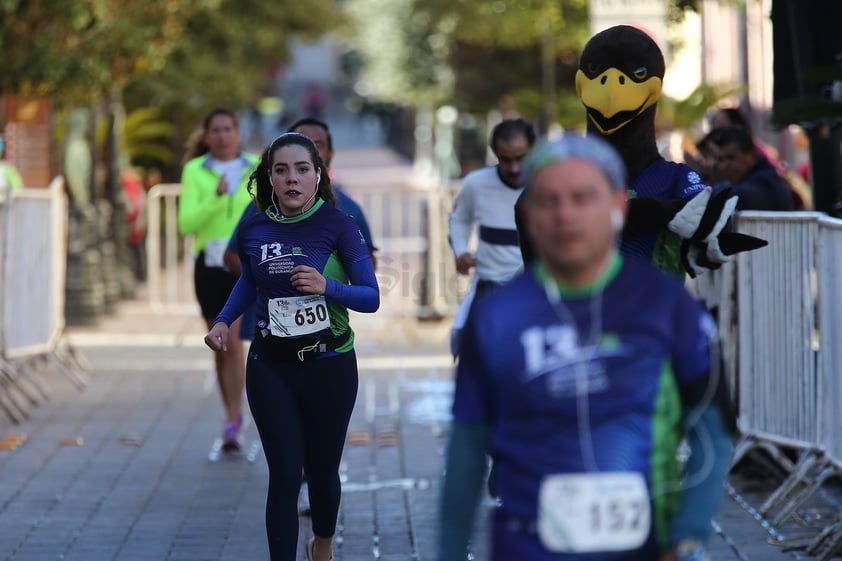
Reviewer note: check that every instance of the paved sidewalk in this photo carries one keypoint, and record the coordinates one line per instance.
(123, 470)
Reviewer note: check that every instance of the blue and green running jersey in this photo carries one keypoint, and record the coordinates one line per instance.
(525, 361)
(667, 181)
(324, 238)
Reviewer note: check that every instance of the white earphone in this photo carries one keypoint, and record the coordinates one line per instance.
(616, 220)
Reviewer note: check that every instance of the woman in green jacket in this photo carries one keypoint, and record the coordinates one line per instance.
(214, 195)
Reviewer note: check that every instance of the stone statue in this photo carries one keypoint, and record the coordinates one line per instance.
(78, 164)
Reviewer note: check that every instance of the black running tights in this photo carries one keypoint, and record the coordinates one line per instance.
(301, 411)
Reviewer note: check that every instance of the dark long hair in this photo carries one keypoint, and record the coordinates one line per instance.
(259, 185)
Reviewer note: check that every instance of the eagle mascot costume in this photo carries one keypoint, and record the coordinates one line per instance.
(674, 221)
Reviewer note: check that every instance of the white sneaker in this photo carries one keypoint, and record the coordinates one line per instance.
(304, 500)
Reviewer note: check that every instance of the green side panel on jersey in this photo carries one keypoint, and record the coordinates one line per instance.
(667, 253)
(337, 312)
(666, 473)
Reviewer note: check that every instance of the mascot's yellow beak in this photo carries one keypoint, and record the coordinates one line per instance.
(613, 99)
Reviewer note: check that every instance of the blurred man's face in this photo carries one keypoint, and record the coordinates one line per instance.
(569, 206)
(733, 165)
(511, 154)
(319, 137)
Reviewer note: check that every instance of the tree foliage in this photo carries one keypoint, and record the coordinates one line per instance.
(465, 51)
(169, 51)
(474, 53)
(684, 113)
(403, 55)
(76, 51)
(146, 138)
(510, 24)
(228, 55)
(180, 57)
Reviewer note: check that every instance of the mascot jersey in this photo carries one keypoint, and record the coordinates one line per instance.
(668, 181)
(525, 361)
(324, 238)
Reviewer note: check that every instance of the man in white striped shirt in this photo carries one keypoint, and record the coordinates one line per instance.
(487, 200)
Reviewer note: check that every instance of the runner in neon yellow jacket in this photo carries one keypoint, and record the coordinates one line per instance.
(214, 193)
(10, 178)
(204, 213)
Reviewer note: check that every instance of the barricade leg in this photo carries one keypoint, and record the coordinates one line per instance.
(12, 413)
(772, 457)
(8, 403)
(71, 362)
(803, 494)
(828, 543)
(31, 377)
(800, 481)
(16, 376)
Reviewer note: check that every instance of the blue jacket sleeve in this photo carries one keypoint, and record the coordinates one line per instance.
(365, 231)
(233, 244)
(707, 467)
(465, 467)
(241, 297)
(363, 294)
(710, 428)
(350, 207)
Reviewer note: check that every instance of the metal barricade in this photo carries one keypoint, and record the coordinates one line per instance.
(783, 388)
(33, 286)
(776, 328)
(415, 268)
(33, 252)
(169, 267)
(829, 306)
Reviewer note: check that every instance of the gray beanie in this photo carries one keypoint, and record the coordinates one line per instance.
(571, 146)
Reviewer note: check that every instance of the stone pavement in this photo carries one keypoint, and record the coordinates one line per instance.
(121, 470)
(125, 469)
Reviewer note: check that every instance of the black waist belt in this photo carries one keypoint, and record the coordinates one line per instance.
(291, 349)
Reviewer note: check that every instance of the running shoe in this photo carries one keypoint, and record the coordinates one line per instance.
(304, 500)
(232, 439)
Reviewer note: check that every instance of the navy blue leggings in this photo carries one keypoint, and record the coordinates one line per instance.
(301, 411)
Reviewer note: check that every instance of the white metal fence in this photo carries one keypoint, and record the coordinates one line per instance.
(169, 267)
(415, 267)
(788, 313)
(829, 311)
(33, 252)
(35, 259)
(776, 298)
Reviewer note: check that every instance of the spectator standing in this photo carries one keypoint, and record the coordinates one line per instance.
(754, 179)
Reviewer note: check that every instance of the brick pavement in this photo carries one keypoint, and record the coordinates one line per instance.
(141, 487)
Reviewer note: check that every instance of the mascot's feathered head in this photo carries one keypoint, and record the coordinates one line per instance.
(620, 76)
(621, 72)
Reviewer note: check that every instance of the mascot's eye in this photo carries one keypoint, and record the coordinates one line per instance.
(641, 73)
(592, 69)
